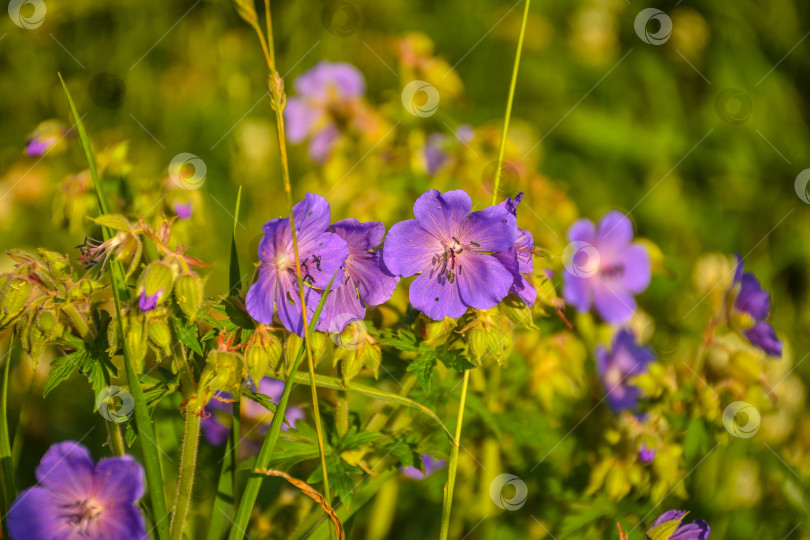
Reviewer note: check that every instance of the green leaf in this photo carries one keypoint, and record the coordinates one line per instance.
(405, 452)
(696, 441)
(234, 275)
(453, 359)
(62, 368)
(354, 439)
(422, 367)
(261, 399)
(187, 335)
(403, 340)
(342, 475)
(112, 221)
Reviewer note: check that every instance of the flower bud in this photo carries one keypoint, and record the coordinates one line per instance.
(436, 332)
(58, 264)
(14, 297)
(135, 342)
(188, 291)
(263, 350)
(155, 285)
(224, 371)
(161, 336)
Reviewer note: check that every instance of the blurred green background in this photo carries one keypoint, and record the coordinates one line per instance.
(700, 138)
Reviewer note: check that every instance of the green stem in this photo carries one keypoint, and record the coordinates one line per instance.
(9, 490)
(226, 487)
(453, 466)
(143, 422)
(188, 462)
(115, 439)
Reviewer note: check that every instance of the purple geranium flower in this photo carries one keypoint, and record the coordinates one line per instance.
(322, 253)
(646, 455)
(518, 259)
(76, 498)
(605, 267)
(431, 465)
(750, 309)
(625, 360)
(437, 144)
(44, 137)
(216, 426)
(697, 530)
(326, 101)
(447, 246)
(366, 280)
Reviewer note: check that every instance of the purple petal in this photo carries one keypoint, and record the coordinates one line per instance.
(311, 216)
(322, 258)
(615, 231)
(183, 211)
(272, 388)
(360, 237)
(326, 77)
(577, 291)
(435, 155)
(436, 297)
(582, 230)
(260, 299)
(493, 229)
(119, 480)
(763, 335)
(614, 303)
(374, 282)
(752, 299)
(669, 515)
(342, 306)
(524, 244)
(646, 455)
(322, 141)
(216, 433)
(67, 469)
(442, 214)
(288, 302)
(510, 204)
(484, 281)
(37, 514)
(120, 523)
(698, 530)
(409, 248)
(430, 464)
(520, 286)
(636, 262)
(300, 115)
(148, 302)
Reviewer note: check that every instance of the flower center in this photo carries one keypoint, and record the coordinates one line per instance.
(448, 261)
(81, 514)
(613, 377)
(611, 271)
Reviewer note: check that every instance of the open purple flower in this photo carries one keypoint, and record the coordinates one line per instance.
(326, 101)
(604, 267)
(625, 360)
(366, 280)
(447, 246)
(322, 253)
(431, 465)
(673, 520)
(76, 498)
(750, 309)
(518, 259)
(217, 425)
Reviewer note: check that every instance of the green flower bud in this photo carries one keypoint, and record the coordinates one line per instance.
(188, 291)
(157, 278)
(135, 341)
(436, 332)
(58, 264)
(161, 336)
(224, 370)
(263, 350)
(15, 295)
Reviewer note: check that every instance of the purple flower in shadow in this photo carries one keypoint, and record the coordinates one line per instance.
(750, 308)
(625, 360)
(431, 465)
(604, 267)
(518, 259)
(646, 455)
(673, 519)
(148, 302)
(366, 280)
(76, 498)
(448, 247)
(181, 210)
(217, 425)
(322, 253)
(437, 147)
(326, 102)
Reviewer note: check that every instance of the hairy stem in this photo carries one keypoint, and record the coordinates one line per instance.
(453, 466)
(7, 469)
(115, 439)
(188, 462)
